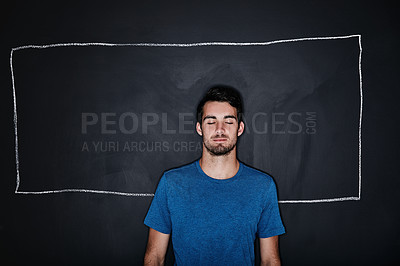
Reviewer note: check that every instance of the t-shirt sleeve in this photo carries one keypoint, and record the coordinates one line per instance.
(270, 223)
(158, 216)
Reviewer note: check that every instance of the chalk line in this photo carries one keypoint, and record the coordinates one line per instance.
(320, 200)
(87, 191)
(15, 122)
(183, 45)
(359, 126)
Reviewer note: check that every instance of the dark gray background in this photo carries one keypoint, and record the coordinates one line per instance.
(56, 85)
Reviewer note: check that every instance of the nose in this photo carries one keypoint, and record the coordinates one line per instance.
(220, 128)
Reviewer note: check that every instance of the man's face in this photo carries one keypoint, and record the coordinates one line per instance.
(219, 128)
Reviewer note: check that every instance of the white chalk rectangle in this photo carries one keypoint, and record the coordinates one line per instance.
(183, 46)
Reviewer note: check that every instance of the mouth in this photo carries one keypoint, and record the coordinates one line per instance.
(220, 139)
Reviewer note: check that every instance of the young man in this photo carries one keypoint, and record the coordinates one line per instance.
(214, 207)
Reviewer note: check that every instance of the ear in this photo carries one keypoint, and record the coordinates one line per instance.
(198, 129)
(241, 128)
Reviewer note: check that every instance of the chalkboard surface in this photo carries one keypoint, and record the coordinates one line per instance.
(101, 100)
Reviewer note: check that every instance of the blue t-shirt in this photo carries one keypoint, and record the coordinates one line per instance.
(214, 221)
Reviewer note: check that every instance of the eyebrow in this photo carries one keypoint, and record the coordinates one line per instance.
(214, 117)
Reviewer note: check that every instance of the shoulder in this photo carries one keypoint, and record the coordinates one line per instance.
(262, 179)
(178, 179)
(180, 172)
(260, 185)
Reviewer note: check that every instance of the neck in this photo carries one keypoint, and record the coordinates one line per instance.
(219, 167)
